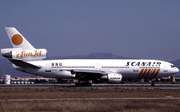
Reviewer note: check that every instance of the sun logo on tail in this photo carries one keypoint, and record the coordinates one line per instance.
(17, 39)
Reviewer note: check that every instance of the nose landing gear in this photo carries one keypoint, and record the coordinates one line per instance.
(82, 82)
(152, 84)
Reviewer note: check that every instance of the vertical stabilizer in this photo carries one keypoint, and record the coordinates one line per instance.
(17, 40)
(22, 49)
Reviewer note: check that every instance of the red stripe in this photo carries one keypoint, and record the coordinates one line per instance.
(152, 74)
(156, 74)
(143, 74)
(140, 73)
(147, 73)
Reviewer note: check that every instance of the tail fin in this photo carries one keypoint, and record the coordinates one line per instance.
(22, 50)
(17, 40)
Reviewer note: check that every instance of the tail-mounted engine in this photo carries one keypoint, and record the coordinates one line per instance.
(17, 53)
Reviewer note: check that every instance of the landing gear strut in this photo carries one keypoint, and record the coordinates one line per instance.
(82, 82)
(152, 84)
(77, 84)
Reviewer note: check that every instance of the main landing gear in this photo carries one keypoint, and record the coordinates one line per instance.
(83, 82)
(77, 84)
(152, 84)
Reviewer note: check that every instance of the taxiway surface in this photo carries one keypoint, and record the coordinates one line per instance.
(100, 86)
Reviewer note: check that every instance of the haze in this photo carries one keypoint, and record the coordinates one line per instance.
(148, 29)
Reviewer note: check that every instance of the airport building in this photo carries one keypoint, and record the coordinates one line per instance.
(7, 79)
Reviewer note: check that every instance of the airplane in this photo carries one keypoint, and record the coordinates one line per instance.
(26, 58)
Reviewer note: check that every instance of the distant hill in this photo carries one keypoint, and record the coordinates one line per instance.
(90, 56)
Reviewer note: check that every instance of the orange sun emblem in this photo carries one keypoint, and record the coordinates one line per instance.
(17, 39)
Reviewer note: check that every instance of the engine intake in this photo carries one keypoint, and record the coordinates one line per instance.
(114, 78)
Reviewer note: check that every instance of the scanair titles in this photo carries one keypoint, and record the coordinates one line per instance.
(144, 64)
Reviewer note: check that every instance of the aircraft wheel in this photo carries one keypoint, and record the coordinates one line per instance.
(152, 84)
(77, 84)
(89, 84)
(83, 84)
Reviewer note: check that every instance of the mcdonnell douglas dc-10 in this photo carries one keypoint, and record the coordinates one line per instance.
(28, 59)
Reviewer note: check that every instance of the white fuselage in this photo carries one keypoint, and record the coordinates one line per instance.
(128, 68)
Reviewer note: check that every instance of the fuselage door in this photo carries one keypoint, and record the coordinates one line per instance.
(48, 68)
(135, 69)
(135, 72)
(165, 69)
(98, 67)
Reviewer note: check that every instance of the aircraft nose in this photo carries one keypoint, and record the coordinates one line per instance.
(176, 70)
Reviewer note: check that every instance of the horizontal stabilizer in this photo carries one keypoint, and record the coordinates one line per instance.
(23, 64)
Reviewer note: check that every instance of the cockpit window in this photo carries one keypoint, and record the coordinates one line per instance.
(172, 66)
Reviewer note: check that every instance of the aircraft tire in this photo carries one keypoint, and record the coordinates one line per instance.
(152, 84)
(83, 84)
(77, 84)
(89, 84)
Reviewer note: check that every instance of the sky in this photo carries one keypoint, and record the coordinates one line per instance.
(147, 29)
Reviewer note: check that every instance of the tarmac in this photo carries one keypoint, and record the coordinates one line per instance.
(145, 98)
(100, 86)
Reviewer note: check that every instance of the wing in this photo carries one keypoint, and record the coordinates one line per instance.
(23, 64)
(89, 74)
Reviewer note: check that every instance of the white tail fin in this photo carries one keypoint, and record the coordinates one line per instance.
(17, 40)
(22, 50)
